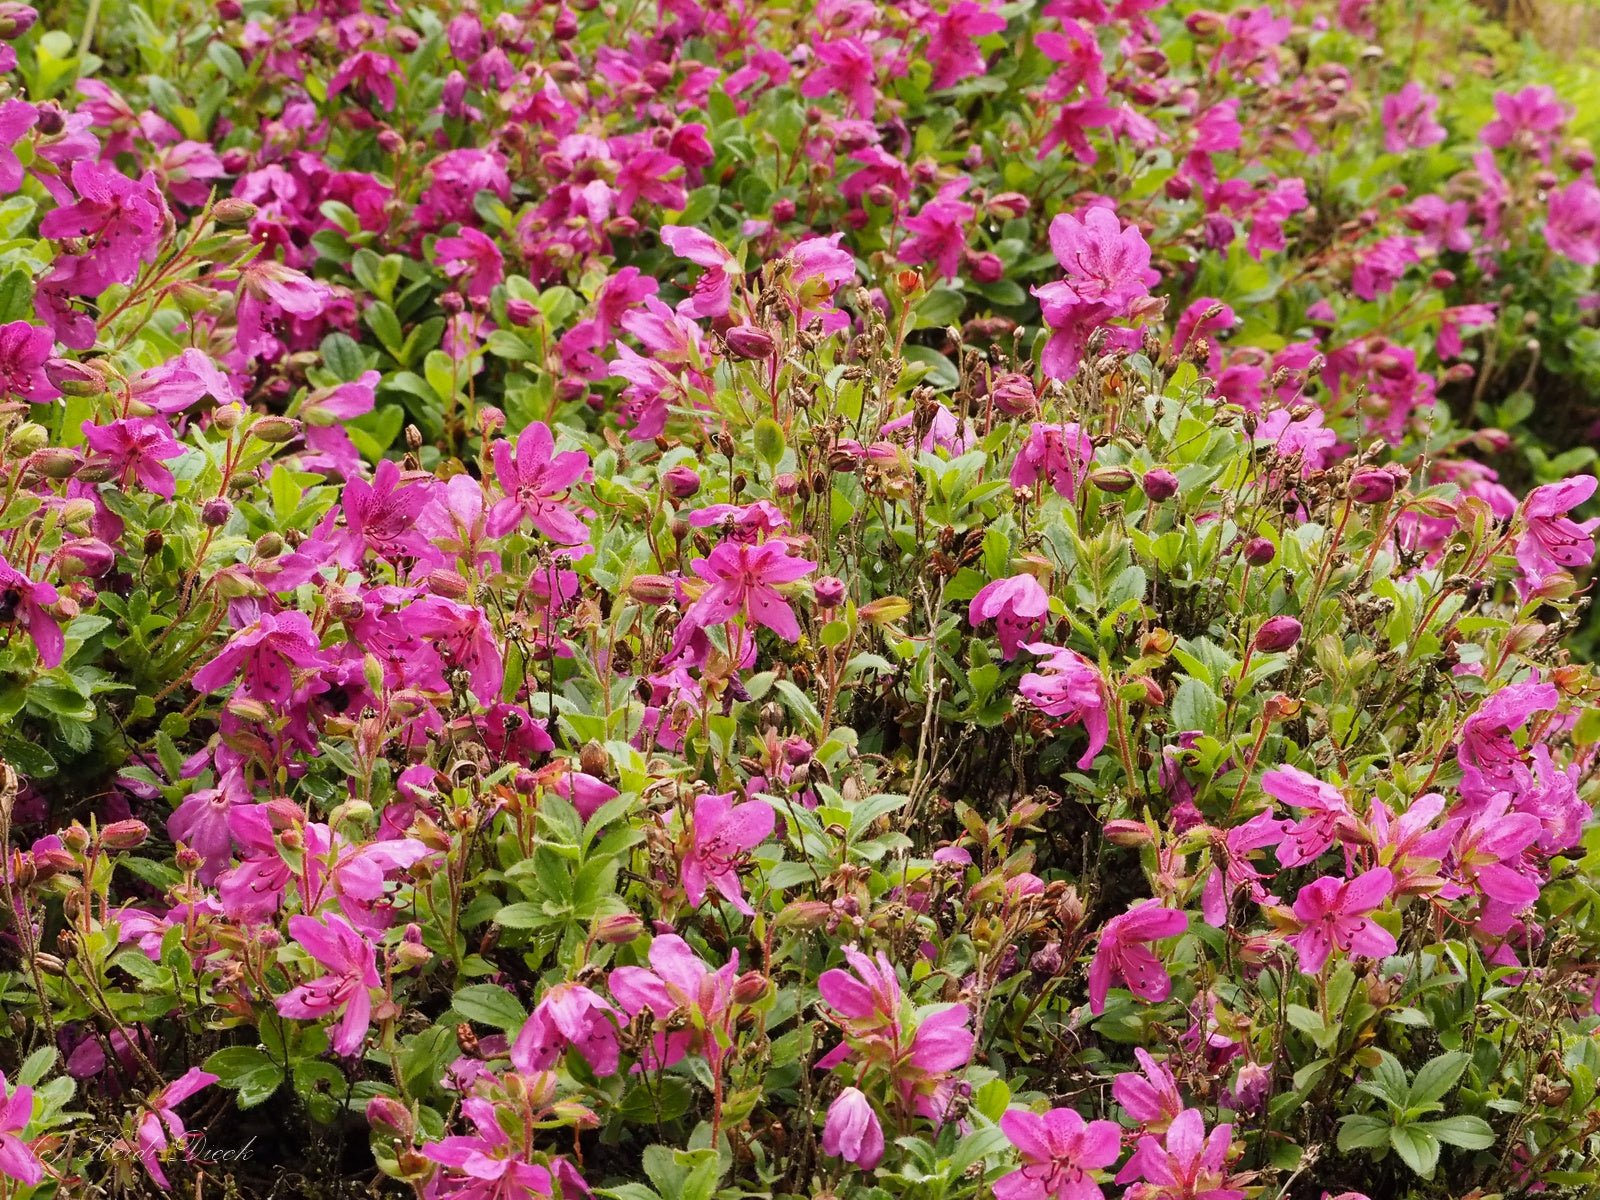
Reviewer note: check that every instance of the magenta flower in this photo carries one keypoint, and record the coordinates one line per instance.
(1488, 753)
(865, 1003)
(24, 349)
(136, 447)
(266, 655)
(951, 34)
(1552, 540)
(1489, 852)
(1332, 913)
(923, 1073)
(22, 603)
(1325, 806)
(535, 480)
(1104, 261)
(17, 1159)
(679, 979)
(852, 1131)
(1069, 686)
(744, 580)
(380, 516)
(713, 291)
(1059, 1149)
(568, 1014)
(269, 294)
(1017, 605)
(352, 973)
(845, 65)
(472, 258)
(1124, 955)
(1150, 1095)
(16, 118)
(1408, 122)
(1234, 870)
(938, 232)
(723, 832)
(201, 823)
(369, 74)
(1188, 1165)
(121, 220)
(1061, 453)
(1530, 118)
(492, 1166)
(160, 1126)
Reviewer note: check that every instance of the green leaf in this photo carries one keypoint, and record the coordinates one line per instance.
(489, 1005)
(769, 441)
(1417, 1148)
(1470, 1133)
(1436, 1078)
(1196, 706)
(1363, 1131)
(247, 1070)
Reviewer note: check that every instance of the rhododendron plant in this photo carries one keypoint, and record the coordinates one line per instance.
(694, 598)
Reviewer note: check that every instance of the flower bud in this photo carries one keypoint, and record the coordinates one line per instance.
(448, 584)
(227, 417)
(804, 914)
(74, 378)
(1111, 479)
(124, 835)
(1376, 485)
(1013, 394)
(214, 513)
(750, 342)
(1153, 696)
(189, 859)
(1281, 708)
(651, 589)
(391, 1114)
(231, 212)
(89, 557)
(269, 544)
(885, 610)
(1159, 484)
(749, 987)
(16, 19)
(1131, 834)
(1158, 643)
(1009, 205)
(681, 482)
(56, 462)
(275, 429)
(618, 930)
(28, 438)
(828, 592)
(521, 312)
(1442, 279)
(1258, 552)
(1277, 633)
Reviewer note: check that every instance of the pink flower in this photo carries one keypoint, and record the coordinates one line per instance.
(269, 293)
(161, 1126)
(367, 73)
(852, 1131)
(266, 654)
(950, 50)
(535, 480)
(744, 581)
(490, 1165)
(1552, 540)
(352, 974)
(1017, 605)
(121, 220)
(713, 291)
(1061, 453)
(1488, 852)
(16, 118)
(1123, 955)
(1332, 913)
(844, 65)
(24, 348)
(17, 1159)
(1307, 839)
(1487, 752)
(1380, 267)
(723, 832)
(1058, 1150)
(1188, 1166)
(568, 1014)
(22, 603)
(938, 231)
(1104, 261)
(136, 447)
(1408, 122)
(472, 257)
(923, 1075)
(1530, 117)
(1150, 1095)
(1070, 687)
(868, 1001)
(1573, 224)
(678, 978)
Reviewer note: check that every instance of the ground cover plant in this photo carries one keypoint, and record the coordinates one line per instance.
(730, 599)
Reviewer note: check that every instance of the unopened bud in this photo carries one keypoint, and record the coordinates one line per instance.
(1275, 634)
(275, 429)
(1112, 479)
(618, 930)
(231, 212)
(1159, 484)
(124, 835)
(750, 342)
(651, 589)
